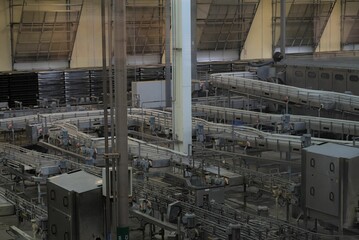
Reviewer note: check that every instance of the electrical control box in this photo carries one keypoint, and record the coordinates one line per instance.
(111, 190)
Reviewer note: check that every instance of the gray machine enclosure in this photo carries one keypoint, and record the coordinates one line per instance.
(330, 183)
(75, 206)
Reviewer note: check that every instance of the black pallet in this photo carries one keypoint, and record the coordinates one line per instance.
(52, 86)
(23, 87)
(77, 85)
(96, 87)
(4, 88)
(152, 73)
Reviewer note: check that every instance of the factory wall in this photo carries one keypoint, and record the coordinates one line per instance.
(5, 49)
(258, 44)
(330, 40)
(87, 51)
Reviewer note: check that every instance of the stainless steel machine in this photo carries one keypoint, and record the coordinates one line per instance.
(330, 183)
(75, 206)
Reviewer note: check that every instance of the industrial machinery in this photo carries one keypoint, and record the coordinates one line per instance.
(75, 206)
(330, 182)
(240, 182)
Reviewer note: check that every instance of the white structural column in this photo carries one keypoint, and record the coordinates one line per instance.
(182, 76)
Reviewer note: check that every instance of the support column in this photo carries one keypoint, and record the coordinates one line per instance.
(120, 54)
(168, 53)
(182, 74)
(194, 38)
(283, 26)
(105, 118)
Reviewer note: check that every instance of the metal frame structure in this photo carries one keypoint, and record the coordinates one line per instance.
(145, 27)
(305, 22)
(227, 24)
(43, 31)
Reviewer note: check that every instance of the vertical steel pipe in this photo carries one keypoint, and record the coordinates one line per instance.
(121, 118)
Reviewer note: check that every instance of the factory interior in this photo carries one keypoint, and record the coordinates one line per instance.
(179, 119)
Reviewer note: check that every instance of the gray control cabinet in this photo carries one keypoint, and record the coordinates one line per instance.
(75, 207)
(330, 183)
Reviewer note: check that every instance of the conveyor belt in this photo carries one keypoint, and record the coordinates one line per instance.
(142, 149)
(314, 98)
(28, 209)
(217, 217)
(22, 121)
(38, 160)
(86, 119)
(312, 123)
(257, 138)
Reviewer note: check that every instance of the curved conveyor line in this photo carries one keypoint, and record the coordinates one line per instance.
(257, 138)
(315, 98)
(86, 119)
(276, 142)
(312, 123)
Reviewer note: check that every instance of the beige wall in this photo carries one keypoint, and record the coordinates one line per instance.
(330, 40)
(5, 49)
(258, 44)
(88, 49)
